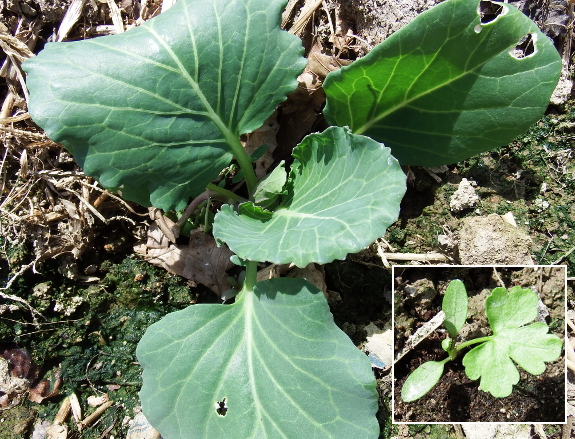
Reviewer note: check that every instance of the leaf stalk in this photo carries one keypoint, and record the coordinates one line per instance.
(245, 164)
(251, 276)
(463, 345)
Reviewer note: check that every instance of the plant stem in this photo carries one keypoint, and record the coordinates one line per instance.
(446, 360)
(207, 224)
(471, 342)
(190, 209)
(226, 193)
(245, 164)
(251, 275)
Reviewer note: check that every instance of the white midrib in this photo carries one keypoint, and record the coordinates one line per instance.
(230, 137)
(406, 102)
(249, 340)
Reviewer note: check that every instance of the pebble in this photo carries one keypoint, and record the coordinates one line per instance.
(141, 429)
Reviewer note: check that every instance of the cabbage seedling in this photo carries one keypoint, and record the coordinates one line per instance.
(508, 313)
(157, 112)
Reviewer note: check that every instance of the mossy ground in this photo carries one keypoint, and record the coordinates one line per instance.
(533, 177)
(94, 346)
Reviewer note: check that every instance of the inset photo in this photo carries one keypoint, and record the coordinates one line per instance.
(479, 344)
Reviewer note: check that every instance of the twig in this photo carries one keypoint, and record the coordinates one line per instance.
(538, 429)
(2, 174)
(498, 278)
(63, 412)
(23, 133)
(286, 14)
(7, 107)
(23, 268)
(458, 431)
(421, 334)
(97, 413)
(305, 15)
(4, 120)
(71, 16)
(88, 205)
(381, 255)
(115, 197)
(331, 27)
(563, 257)
(116, 16)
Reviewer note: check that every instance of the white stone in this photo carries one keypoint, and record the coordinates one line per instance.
(464, 197)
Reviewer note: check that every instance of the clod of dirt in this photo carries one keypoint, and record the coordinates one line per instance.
(422, 292)
(11, 387)
(477, 325)
(491, 431)
(464, 197)
(141, 429)
(564, 87)
(490, 240)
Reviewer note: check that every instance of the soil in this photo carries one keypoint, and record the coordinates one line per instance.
(456, 398)
(95, 296)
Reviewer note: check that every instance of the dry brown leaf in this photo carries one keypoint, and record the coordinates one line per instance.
(301, 111)
(202, 261)
(313, 273)
(46, 389)
(20, 364)
(266, 134)
(321, 64)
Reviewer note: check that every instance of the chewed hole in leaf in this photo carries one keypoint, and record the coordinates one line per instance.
(525, 47)
(489, 11)
(221, 408)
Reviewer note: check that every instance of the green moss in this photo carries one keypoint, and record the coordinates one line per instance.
(94, 346)
(17, 422)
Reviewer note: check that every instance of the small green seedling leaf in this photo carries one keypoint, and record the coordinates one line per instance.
(269, 189)
(343, 191)
(157, 111)
(510, 309)
(529, 346)
(447, 344)
(275, 358)
(422, 380)
(455, 307)
(449, 85)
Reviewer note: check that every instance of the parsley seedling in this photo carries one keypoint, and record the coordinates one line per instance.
(508, 313)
